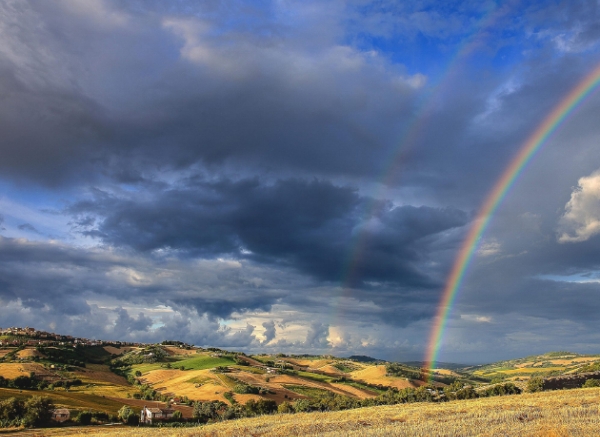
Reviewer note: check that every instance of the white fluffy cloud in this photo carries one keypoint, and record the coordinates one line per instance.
(581, 219)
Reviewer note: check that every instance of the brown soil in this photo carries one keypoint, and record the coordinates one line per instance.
(101, 373)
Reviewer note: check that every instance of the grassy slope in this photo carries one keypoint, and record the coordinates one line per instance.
(556, 362)
(67, 399)
(560, 413)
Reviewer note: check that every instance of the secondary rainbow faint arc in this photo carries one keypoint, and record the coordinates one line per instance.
(493, 200)
(411, 132)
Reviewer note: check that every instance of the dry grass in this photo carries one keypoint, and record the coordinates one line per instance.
(530, 370)
(13, 370)
(446, 372)
(312, 364)
(99, 380)
(331, 370)
(185, 383)
(376, 375)
(174, 350)
(563, 413)
(29, 353)
(203, 385)
(119, 351)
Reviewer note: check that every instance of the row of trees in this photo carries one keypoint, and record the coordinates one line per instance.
(35, 411)
(33, 383)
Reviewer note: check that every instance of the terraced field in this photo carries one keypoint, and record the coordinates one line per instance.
(556, 363)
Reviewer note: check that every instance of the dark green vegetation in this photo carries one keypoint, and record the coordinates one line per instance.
(35, 411)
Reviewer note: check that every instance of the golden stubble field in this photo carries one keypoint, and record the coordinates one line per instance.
(556, 414)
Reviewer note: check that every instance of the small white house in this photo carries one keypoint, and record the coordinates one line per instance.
(61, 415)
(151, 415)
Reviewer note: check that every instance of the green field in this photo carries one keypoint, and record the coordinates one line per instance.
(315, 376)
(311, 392)
(203, 362)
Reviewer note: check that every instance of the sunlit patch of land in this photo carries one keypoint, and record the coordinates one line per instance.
(14, 370)
(573, 413)
(377, 375)
(119, 350)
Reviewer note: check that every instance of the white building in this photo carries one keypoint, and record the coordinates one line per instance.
(151, 415)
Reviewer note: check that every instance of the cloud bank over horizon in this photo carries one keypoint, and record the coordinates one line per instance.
(298, 177)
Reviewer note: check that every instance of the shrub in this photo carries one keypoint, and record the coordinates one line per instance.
(285, 408)
(535, 384)
(242, 388)
(592, 383)
(301, 405)
(229, 396)
(84, 418)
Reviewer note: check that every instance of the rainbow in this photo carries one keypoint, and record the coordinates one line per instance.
(533, 144)
(423, 109)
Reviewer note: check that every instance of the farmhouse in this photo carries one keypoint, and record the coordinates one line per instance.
(61, 415)
(150, 415)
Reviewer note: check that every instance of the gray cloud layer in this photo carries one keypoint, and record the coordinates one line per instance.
(303, 172)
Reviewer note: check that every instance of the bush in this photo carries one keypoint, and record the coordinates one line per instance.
(177, 416)
(229, 396)
(84, 418)
(285, 408)
(535, 384)
(301, 405)
(242, 388)
(592, 383)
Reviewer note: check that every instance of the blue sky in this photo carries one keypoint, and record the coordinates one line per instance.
(298, 176)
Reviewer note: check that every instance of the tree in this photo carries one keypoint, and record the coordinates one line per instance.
(10, 409)
(38, 411)
(125, 413)
(205, 411)
(177, 416)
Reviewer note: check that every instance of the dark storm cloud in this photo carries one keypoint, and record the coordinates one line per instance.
(243, 102)
(28, 227)
(313, 226)
(125, 323)
(62, 279)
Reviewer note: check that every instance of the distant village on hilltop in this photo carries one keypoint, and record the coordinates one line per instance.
(17, 336)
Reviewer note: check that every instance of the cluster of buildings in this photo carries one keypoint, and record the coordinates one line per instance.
(32, 337)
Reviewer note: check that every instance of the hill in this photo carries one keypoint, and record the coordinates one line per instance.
(560, 413)
(81, 374)
(544, 365)
(98, 376)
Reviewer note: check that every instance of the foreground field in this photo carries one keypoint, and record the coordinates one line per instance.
(559, 414)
